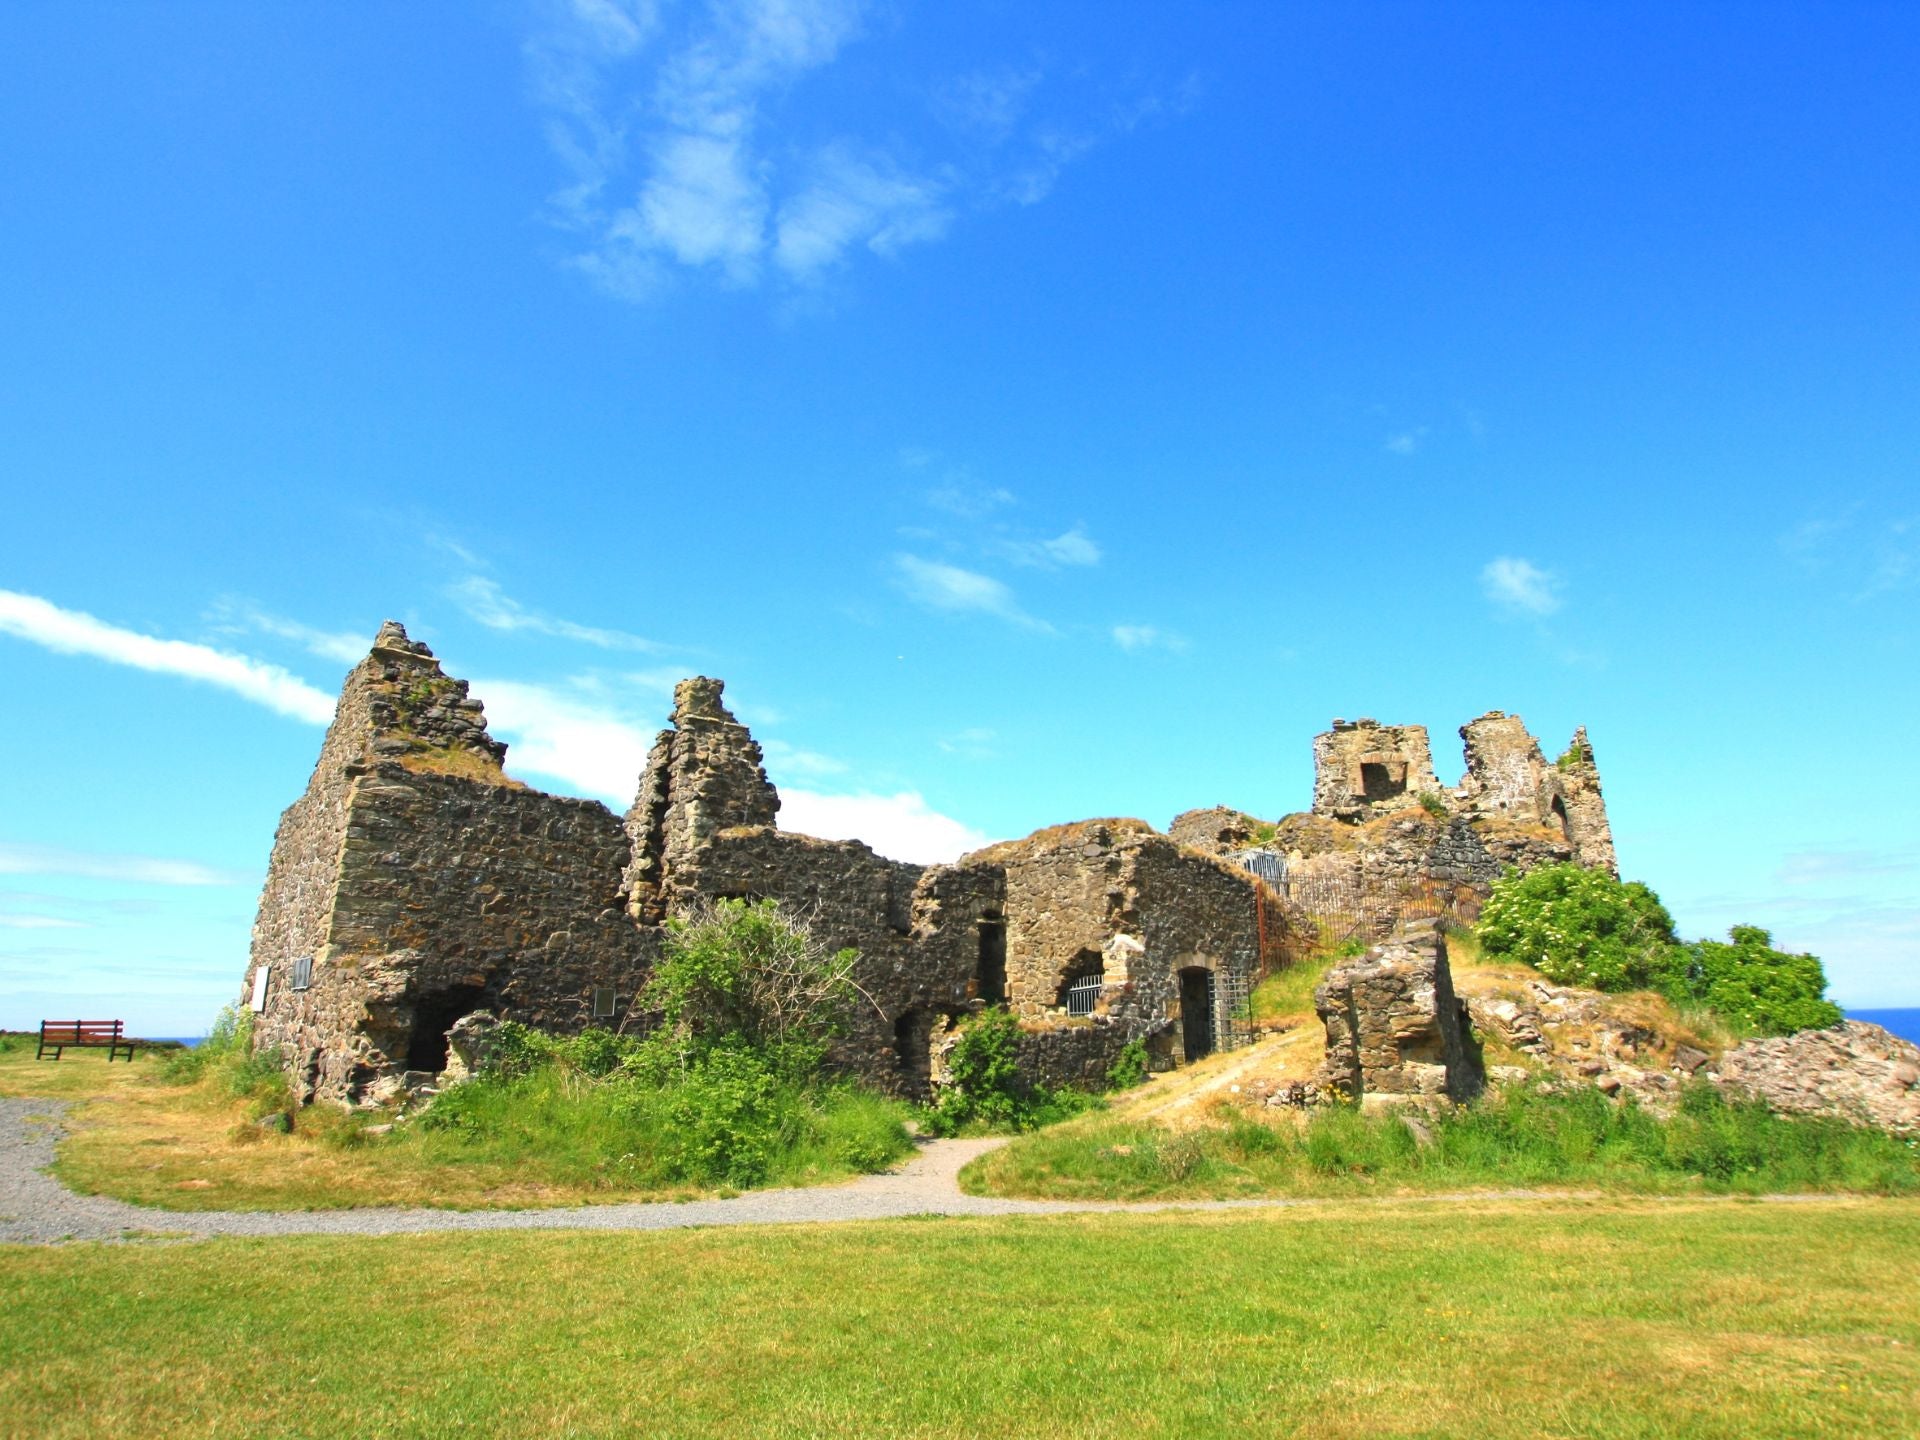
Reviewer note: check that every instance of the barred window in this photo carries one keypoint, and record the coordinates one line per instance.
(302, 972)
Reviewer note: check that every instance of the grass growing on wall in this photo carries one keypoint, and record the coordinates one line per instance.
(1606, 1321)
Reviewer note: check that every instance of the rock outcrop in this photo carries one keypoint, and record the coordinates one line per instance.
(1851, 1071)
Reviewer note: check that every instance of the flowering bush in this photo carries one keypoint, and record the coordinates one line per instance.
(1583, 927)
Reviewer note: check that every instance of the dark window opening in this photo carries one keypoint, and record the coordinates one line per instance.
(433, 1016)
(1380, 781)
(604, 1003)
(990, 974)
(1080, 989)
(302, 973)
(1196, 1013)
(1559, 812)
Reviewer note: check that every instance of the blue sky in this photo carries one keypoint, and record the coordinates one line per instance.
(1030, 411)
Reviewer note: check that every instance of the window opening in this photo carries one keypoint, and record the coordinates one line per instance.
(990, 974)
(604, 1002)
(302, 973)
(1083, 994)
(1081, 986)
(1382, 781)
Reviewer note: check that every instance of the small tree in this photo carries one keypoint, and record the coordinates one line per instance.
(1758, 987)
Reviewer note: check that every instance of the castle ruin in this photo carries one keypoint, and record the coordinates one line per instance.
(415, 883)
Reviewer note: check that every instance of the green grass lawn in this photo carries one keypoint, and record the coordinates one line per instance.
(1611, 1319)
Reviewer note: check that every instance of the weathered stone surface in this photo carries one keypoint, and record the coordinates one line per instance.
(1853, 1071)
(1216, 831)
(470, 1045)
(703, 776)
(1362, 768)
(1394, 1025)
(1508, 779)
(421, 884)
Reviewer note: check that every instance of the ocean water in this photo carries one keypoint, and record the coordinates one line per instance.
(1904, 1023)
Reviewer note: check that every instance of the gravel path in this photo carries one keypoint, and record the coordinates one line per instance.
(35, 1208)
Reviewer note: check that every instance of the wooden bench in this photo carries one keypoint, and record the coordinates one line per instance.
(107, 1035)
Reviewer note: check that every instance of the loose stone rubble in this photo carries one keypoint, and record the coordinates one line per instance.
(1853, 1070)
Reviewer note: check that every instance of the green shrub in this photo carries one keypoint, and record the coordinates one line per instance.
(1582, 927)
(1129, 1067)
(985, 1090)
(1433, 805)
(1758, 988)
(728, 1091)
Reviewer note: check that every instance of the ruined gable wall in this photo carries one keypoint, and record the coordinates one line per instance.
(413, 865)
(1506, 776)
(1588, 827)
(458, 893)
(297, 899)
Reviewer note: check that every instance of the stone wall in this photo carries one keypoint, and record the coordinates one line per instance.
(704, 775)
(1362, 768)
(1395, 1028)
(421, 882)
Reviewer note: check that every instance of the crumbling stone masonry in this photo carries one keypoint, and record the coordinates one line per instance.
(1395, 1028)
(1385, 840)
(414, 884)
(1362, 768)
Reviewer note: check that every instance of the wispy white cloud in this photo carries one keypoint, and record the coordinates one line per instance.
(1820, 867)
(1874, 554)
(19, 858)
(1406, 442)
(850, 199)
(232, 616)
(1073, 547)
(39, 922)
(593, 741)
(678, 128)
(593, 738)
(484, 601)
(1147, 637)
(784, 760)
(954, 591)
(1521, 586)
(960, 497)
(73, 632)
(974, 743)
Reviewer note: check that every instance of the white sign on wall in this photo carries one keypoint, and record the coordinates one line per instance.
(259, 1001)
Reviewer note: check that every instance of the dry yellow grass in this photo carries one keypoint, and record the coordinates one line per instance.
(192, 1147)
